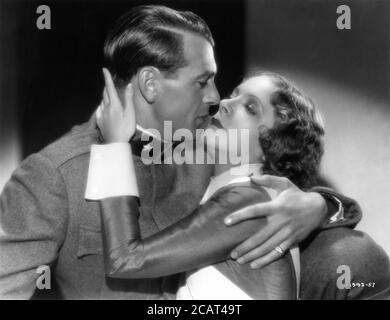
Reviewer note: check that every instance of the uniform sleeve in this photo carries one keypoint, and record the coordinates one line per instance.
(342, 211)
(33, 222)
(198, 240)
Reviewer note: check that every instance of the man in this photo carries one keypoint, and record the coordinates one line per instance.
(168, 57)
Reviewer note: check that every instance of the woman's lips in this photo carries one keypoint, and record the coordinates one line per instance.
(216, 123)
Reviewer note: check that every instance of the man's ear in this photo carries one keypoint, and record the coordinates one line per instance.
(148, 83)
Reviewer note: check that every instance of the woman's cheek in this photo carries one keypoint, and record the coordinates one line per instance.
(235, 122)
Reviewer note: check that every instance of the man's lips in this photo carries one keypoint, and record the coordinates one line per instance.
(202, 120)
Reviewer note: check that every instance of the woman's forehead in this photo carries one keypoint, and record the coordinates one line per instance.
(261, 86)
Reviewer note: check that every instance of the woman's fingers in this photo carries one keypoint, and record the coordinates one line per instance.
(116, 121)
(106, 99)
(129, 104)
(99, 115)
(272, 255)
(112, 94)
(129, 110)
(108, 81)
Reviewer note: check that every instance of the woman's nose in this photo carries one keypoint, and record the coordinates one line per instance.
(224, 108)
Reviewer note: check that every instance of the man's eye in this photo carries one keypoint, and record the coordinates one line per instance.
(202, 83)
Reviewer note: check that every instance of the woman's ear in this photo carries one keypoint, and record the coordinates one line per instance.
(148, 82)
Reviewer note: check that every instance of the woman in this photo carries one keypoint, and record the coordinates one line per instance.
(285, 139)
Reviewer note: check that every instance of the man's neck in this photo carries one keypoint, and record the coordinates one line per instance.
(148, 132)
(145, 117)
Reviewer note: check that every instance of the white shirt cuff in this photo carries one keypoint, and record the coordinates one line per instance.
(111, 172)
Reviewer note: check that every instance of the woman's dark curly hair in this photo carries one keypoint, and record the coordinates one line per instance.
(293, 147)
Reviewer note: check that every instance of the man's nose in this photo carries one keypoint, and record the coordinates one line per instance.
(212, 97)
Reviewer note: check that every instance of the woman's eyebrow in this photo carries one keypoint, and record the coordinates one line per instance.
(256, 98)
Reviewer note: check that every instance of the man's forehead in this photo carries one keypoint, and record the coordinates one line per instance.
(199, 54)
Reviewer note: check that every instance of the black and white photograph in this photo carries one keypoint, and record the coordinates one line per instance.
(221, 150)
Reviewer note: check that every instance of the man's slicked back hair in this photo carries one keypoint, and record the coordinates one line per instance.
(150, 36)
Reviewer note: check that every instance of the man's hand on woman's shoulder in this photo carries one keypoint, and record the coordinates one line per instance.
(292, 215)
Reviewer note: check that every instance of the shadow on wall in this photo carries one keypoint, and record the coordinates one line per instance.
(346, 73)
(357, 150)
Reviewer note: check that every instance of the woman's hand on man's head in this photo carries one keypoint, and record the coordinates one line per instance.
(115, 121)
(292, 215)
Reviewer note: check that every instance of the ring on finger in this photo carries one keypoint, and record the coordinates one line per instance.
(279, 250)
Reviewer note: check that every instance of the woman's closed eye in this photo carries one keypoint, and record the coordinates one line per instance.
(251, 108)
